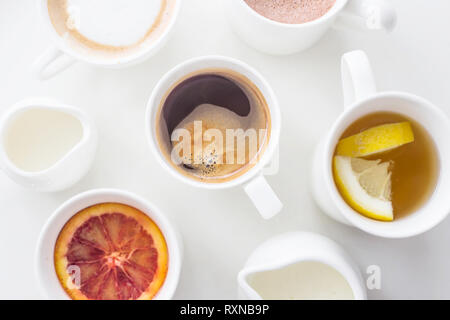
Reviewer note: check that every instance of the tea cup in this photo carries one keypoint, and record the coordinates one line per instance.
(361, 98)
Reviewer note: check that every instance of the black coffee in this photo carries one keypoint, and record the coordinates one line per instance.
(211, 89)
(213, 124)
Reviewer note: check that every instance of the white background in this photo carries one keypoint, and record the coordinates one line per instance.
(221, 228)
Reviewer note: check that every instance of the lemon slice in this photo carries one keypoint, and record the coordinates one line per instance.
(375, 140)
(365, 185)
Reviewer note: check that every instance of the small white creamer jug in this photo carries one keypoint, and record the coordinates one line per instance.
(300, 266)
(45, 145)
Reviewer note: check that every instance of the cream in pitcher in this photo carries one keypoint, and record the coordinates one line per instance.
(46, 145)
(38, 138)
(310, 280)
(300, 266)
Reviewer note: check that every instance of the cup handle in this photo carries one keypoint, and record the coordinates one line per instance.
(368, 14)
(358, 81)
(263, 197)
(50, 63)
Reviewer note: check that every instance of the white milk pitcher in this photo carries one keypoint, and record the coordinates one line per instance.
(45, 145)
(300, 266)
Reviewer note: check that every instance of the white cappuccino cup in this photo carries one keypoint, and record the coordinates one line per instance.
(104, 33)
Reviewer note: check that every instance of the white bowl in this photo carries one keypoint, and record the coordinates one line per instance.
(46, 274)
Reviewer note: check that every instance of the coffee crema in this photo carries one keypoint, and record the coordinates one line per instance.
(110, 28)
(291, 11)
(213, 125)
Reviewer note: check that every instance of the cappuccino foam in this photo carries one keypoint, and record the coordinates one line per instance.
(110, 27)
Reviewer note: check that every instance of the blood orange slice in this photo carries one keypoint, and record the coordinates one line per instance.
(111, 251)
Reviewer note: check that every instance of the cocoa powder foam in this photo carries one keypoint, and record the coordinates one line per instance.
(291, 11)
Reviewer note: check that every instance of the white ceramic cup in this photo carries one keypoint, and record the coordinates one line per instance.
(296, 247)
(45, 268)
(60, 55)
(66, 171)
(256, 186)
(278, 38)
(361, 98)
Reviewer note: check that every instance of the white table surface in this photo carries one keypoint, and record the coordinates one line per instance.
(221, 228)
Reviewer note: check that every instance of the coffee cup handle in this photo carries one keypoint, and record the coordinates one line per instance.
(50, 63)
(263, 197)
(368, 14)
(358, 81)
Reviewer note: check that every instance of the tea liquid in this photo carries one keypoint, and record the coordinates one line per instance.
(414, 166)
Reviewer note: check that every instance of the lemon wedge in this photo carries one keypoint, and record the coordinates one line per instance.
(376, 140)
(365, 185)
